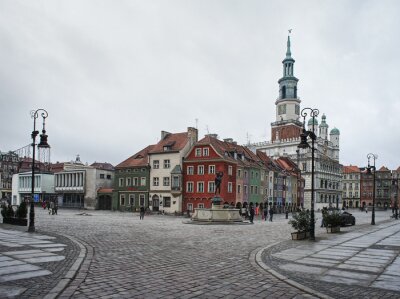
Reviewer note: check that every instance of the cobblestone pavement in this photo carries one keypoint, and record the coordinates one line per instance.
(161, 257)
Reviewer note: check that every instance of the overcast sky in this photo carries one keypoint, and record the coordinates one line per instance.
(113, 74)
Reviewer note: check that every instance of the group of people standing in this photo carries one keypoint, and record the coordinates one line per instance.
(264, 215)
(51, 205)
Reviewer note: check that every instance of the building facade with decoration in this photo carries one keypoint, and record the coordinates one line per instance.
(285, 138)
(132, 182)
(351, 186)
(165, 160)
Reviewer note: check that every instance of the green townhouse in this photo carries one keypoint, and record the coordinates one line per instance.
(132, 182)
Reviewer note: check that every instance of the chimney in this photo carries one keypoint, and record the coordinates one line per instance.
(193, 135)
(213, 136)
(164, 134)
(228, 140)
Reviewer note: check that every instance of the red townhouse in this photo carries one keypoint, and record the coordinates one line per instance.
(207, 157)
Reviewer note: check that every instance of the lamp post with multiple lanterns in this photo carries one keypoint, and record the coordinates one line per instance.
(369, 168)
(42, 144)
(304, 144)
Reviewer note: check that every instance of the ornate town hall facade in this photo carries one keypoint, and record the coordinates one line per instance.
(285, 137)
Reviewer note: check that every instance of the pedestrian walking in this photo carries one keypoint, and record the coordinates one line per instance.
(141, 213)
(324, 212)
(271, 213)
(265, 212)
(51, 208)
(55, 207)
(251, 213)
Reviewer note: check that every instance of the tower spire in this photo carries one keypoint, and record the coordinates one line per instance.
(288, 53)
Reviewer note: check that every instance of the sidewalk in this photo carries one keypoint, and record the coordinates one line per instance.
(32, 265)
(363, 263)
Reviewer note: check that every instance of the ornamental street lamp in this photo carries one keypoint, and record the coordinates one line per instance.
(304, 144)
(43, 144)
(374, 157)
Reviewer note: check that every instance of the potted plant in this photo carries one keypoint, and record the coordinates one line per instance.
(332, 221)
(300, 222)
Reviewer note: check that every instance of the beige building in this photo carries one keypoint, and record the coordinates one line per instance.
(166, 170)
(351, 186)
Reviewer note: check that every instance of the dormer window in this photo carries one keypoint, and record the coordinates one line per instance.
(167, 148)
(198, 152)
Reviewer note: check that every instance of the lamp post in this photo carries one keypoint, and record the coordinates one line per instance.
(304, 144)
(374, 157)
(43, 144)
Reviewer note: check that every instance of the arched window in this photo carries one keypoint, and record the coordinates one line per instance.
(295, 92)
(284, 92)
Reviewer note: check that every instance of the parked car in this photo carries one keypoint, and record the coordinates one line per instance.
(347, 218)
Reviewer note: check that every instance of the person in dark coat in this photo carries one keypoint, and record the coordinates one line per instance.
(271, 213)
(251, 213)
(141, 213)
(265, 212)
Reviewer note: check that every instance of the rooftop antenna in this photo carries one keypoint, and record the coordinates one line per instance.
(208, 131)
(197, 121)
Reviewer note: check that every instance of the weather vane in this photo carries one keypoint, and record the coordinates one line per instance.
(290, 31)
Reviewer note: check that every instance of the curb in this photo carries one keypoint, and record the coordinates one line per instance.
(85, 257)
(256, 260)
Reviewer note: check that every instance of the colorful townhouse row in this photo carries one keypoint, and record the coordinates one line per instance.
(178, 174)
(358, 187)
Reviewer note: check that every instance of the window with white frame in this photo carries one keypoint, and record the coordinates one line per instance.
(229, 187)
(189, 187)
(229, 170)
(198, 152)
(128, 181)
(200, 187)
(132, 199)
(156, 164)
(211, 169)
(190, 207)
(201, 205)
(239, 173)
(167, 163)
(190, 170)
(122, 199)
(166, 181)
(141, 199)
(205, 152)
(121, 182)
(239, 188)
(256, 190)
(245, 189)
(135, 181)
(211, 187)
(200, 169)
(251, 189)
(142, 181)
(156, 181)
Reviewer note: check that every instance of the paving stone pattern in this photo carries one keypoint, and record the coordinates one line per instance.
(32, 263)
(358, 264)
(161, 257)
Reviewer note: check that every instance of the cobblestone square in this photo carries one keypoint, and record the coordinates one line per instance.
(116, 255)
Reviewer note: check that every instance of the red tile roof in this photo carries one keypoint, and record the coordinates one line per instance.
(350, 169)
(176, 142)
(383, 168)
(139, 159)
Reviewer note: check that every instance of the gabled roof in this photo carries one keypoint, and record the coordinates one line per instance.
(139, 159)
(175, 142)
(383, 168)
(177, 170)
(351, 169)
